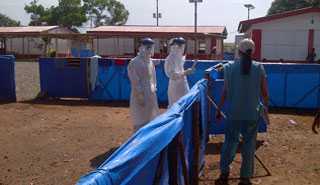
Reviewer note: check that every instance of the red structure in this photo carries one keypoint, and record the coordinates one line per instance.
(123, 41)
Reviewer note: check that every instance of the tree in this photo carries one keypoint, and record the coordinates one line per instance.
(37, 12)
(7, 21)
(68, 13)
(279, 6)
(106, 12)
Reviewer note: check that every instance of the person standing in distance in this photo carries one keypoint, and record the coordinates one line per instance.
(174, 69)
(244, 84)
(141, 71)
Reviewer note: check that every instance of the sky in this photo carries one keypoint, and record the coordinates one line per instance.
(174, 12)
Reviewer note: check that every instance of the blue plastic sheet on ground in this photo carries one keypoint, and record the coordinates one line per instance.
(136, 161)
(7, 78)
(60, 78)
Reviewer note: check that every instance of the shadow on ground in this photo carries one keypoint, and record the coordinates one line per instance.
(215, 148)
(75, 102)
(81, 102)
(98, 160)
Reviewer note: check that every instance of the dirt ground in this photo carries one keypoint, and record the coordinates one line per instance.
(54, 143)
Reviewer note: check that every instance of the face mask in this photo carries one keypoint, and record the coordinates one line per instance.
(146, 51)
(177, 49)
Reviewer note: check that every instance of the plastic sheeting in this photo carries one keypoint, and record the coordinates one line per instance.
(135, 162)
(7, 78)
(62, 78)
(294, 85)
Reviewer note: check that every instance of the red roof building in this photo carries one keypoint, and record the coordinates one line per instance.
(117, 41)
(287, 36)
(28, 41)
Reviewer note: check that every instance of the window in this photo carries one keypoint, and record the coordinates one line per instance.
(202, 47)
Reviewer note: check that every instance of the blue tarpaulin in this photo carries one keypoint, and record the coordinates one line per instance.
(62, 78)
(135, 162)
(290, 85)
(294, 85)
(7, 78)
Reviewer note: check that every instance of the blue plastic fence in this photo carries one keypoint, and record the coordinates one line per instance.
(290, 85)
(294, 85)
(62, 78)
(137, 160)
(7, 78)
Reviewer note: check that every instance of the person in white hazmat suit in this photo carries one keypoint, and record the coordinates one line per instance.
(141, 71)
(174, 69)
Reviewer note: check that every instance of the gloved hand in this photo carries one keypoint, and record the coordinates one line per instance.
(189, 71)
(140, 99)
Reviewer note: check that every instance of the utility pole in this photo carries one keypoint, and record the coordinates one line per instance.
(195, 16)
(157, 15)
(195, 24)
(249, 7)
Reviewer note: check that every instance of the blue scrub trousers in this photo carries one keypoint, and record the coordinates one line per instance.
(248, 130)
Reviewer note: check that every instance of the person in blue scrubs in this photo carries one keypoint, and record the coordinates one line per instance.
(245, 85)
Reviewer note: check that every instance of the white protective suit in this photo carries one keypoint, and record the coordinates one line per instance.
(143, 102)
(174, 69)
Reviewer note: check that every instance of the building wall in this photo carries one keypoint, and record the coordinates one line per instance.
(287, 38)
(317, 43)
(114, 46)
(35, 46)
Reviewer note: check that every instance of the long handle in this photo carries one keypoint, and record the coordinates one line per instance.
(217, 108)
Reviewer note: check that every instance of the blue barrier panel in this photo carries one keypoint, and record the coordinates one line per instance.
(113, 82)
(294, 85)
(7, 78)
(86, 53)
(228, 56)
(62, 78)
(135, 162)
(277, 84)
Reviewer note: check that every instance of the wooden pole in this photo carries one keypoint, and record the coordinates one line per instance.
(209, 93)
(22, 45)
(158, 175)
(183, 159)
(196, 143)
(173, 162)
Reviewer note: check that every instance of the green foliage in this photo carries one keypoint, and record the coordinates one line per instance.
(106, 12)
(279, 6)
(6, 21)
(70, 13)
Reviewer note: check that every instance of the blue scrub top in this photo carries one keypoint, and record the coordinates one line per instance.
(243, 91)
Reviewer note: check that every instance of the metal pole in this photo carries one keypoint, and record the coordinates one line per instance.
(195, 16)
(157, 13)
(196, 29)
(248, 13)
